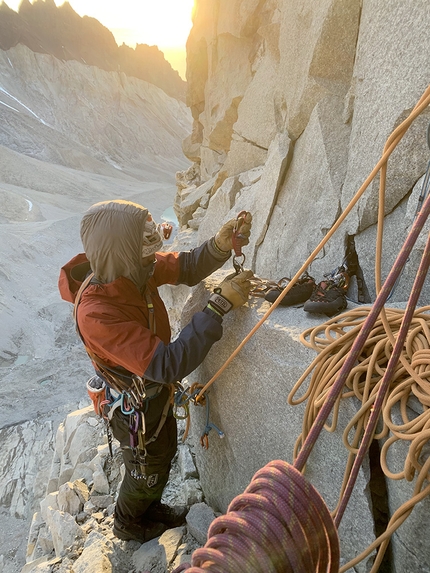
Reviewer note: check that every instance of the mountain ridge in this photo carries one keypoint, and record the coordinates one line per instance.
(60, 31)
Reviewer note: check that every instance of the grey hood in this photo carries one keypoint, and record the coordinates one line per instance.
(112, 235)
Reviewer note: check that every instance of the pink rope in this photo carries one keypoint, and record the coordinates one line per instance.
(280, 524)
(385, 383)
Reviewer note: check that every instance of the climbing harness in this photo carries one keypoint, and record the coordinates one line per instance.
(133, 394)
(254, 536)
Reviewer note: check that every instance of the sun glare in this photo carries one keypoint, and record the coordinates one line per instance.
(162, 23)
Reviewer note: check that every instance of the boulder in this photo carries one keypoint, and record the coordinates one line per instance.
(96, 555)
(199, 519)
(64, 530)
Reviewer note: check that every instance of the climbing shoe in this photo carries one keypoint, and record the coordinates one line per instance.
(329, 296)
(170, 516)
(299, 293)
(141, 532)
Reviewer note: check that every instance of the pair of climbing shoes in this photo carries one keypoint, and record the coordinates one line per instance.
(327, 297)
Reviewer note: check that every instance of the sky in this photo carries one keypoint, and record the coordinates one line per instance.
(163, 23)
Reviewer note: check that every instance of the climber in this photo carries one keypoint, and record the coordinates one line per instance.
(125, 329)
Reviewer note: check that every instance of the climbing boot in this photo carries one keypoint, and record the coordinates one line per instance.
(170, 516)
(298, 294)
(329, 296)
(141, 532)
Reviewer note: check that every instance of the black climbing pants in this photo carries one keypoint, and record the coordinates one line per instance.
(137, 494)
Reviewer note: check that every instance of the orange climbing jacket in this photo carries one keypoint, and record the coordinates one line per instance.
(113, 316)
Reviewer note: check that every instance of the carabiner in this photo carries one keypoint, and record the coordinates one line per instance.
(237, 236)
(238, 265)
(126, 409)
(237, 242)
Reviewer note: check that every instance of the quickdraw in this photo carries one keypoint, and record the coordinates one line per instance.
(237, 238)
(182, 400)
(204, 438)
(137, 430)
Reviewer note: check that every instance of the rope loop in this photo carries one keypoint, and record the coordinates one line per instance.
(280, 524)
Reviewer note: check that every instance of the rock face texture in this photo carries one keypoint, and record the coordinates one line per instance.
(60, 31)
(71, 528)
(334, 78)
(292, 104)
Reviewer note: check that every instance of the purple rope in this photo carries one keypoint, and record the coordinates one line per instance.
(385, 383)
(362, 336)
(280, 524)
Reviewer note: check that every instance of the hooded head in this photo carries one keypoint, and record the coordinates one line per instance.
(116, 235)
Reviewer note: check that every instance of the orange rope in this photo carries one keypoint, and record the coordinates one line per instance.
(410, 379)
(390, 145)
(332, 341)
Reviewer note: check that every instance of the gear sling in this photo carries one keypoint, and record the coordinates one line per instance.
(133, 393)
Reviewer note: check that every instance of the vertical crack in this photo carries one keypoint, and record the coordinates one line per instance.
(379, 497)
(354, 269)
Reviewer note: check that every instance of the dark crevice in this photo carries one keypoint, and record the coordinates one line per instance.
(379, 497)
(354, 269)
(245, 140)
(280, 183)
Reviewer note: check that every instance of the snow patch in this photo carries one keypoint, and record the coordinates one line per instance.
(24, 106)
(9, 106)
(111, 162)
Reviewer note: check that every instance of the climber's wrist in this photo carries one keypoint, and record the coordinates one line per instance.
(219, 303)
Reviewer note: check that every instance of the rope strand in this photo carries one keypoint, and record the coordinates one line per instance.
(281, 523)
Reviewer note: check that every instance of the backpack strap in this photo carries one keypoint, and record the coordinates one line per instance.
(119, 381)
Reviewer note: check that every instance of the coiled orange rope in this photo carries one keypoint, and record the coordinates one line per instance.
(332, 341)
